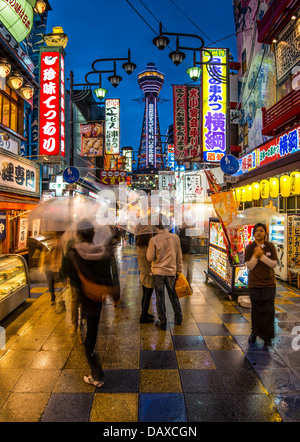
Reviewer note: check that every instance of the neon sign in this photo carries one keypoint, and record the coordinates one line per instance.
(273, 150)
(112, 126)
(214, 120)
(52, 104)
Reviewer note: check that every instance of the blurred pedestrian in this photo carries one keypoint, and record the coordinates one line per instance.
(261, 259)
(93, 263)
(185, 243)
(146, 279)
(51, 262)
(164, 253)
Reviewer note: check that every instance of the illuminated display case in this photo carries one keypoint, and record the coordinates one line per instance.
(232, 279)
(278, 235)
(14, 283)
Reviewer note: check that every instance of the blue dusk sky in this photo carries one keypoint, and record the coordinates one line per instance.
(100, 29)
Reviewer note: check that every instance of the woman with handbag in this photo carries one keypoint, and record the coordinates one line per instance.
(90, 272)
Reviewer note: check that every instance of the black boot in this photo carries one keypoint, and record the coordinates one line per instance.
(146, 319)
(252, 338)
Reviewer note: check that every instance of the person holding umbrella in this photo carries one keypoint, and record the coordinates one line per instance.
(261, 259)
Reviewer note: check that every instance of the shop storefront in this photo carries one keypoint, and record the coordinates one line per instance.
(269, 176)
(19, 193)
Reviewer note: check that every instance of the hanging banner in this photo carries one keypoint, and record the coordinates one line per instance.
(92, 139)
(186, 105)
(214, 99)
(112, 126)
(52, 104)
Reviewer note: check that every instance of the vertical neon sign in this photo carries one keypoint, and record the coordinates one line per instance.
(52, 104)
(214, 121)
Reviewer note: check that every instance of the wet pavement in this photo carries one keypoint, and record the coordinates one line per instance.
(202, 371)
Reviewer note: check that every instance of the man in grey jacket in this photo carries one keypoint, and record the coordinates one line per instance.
(164, 253)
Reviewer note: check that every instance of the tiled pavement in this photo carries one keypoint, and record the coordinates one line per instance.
(203, 370)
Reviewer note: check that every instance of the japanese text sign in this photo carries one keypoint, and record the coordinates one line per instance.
(52, 104)
(151, 132)
(112, 177)
(112, 126)
(273, 150)
(214, 100)
(18, 176)
(186, 105)
(17, 17)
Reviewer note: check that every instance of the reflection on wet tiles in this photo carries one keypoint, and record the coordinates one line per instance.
(157, 342)
(115, 407)
(24, 407)
(226, 343)
(289, 406)
(209, 407)
(195, 360)
(254, 408)
(192, 343)
(241, 381)
(68, 407)
(201, 381)
(158, 359)
(162, 407)
(239, 329)
(120, 381)
(213, 329)
(160, 381)
(225, 360)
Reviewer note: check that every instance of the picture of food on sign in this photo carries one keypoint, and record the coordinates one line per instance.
(92, 139)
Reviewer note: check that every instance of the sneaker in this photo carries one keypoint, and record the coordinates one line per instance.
(161, 325)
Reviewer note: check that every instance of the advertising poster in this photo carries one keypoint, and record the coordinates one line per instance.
(186, 105)
(92, 139)
(112, 126)
(22, 234)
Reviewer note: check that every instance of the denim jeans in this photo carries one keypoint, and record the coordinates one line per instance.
(160, 282)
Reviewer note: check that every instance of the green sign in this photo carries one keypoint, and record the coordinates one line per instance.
(17, 17)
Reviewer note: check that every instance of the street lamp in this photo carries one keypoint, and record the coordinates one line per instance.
(177, 56)
(100, 92)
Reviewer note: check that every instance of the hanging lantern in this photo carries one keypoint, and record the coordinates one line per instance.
(249, 192)
(285, 186)
(40, 6)
(243, 194)
(255, 191)
(5, 68)
(16, 80)
(264, 189)
(274, 187)
(295, 183)
(238, 194)
(27, 91)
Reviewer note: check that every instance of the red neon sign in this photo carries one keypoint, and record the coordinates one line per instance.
(52, 138)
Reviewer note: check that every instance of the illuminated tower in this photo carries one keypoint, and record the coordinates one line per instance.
(150, 152)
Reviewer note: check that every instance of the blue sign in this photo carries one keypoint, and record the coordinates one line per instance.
(229, 164)
(71, 175)
(2, 225)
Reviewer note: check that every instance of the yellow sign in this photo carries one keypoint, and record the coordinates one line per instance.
(214, 120)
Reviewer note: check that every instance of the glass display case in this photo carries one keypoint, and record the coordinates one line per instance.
(14, 283)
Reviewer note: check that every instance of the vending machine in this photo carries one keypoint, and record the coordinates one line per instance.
(278, 235)
(231, 278)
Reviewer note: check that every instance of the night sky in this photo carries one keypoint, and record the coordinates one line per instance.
(107, 28)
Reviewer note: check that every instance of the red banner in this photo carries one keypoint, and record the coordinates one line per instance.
(51, 104)
(186, 103)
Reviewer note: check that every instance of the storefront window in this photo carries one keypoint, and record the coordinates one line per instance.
(10, 105)
(5, 112)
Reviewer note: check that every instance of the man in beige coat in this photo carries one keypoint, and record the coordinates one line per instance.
(164, 253)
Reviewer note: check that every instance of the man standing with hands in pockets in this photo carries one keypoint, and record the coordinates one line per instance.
(164, 253)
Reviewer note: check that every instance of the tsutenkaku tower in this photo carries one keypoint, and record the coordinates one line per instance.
(150, 151)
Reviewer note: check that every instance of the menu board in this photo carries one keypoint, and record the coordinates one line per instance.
(219, 264)
(216, 235)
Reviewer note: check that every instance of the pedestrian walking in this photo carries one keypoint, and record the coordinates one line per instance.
(92, 262)
(261, 259)
(164, 253)
(146, 279)
(51, 262)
